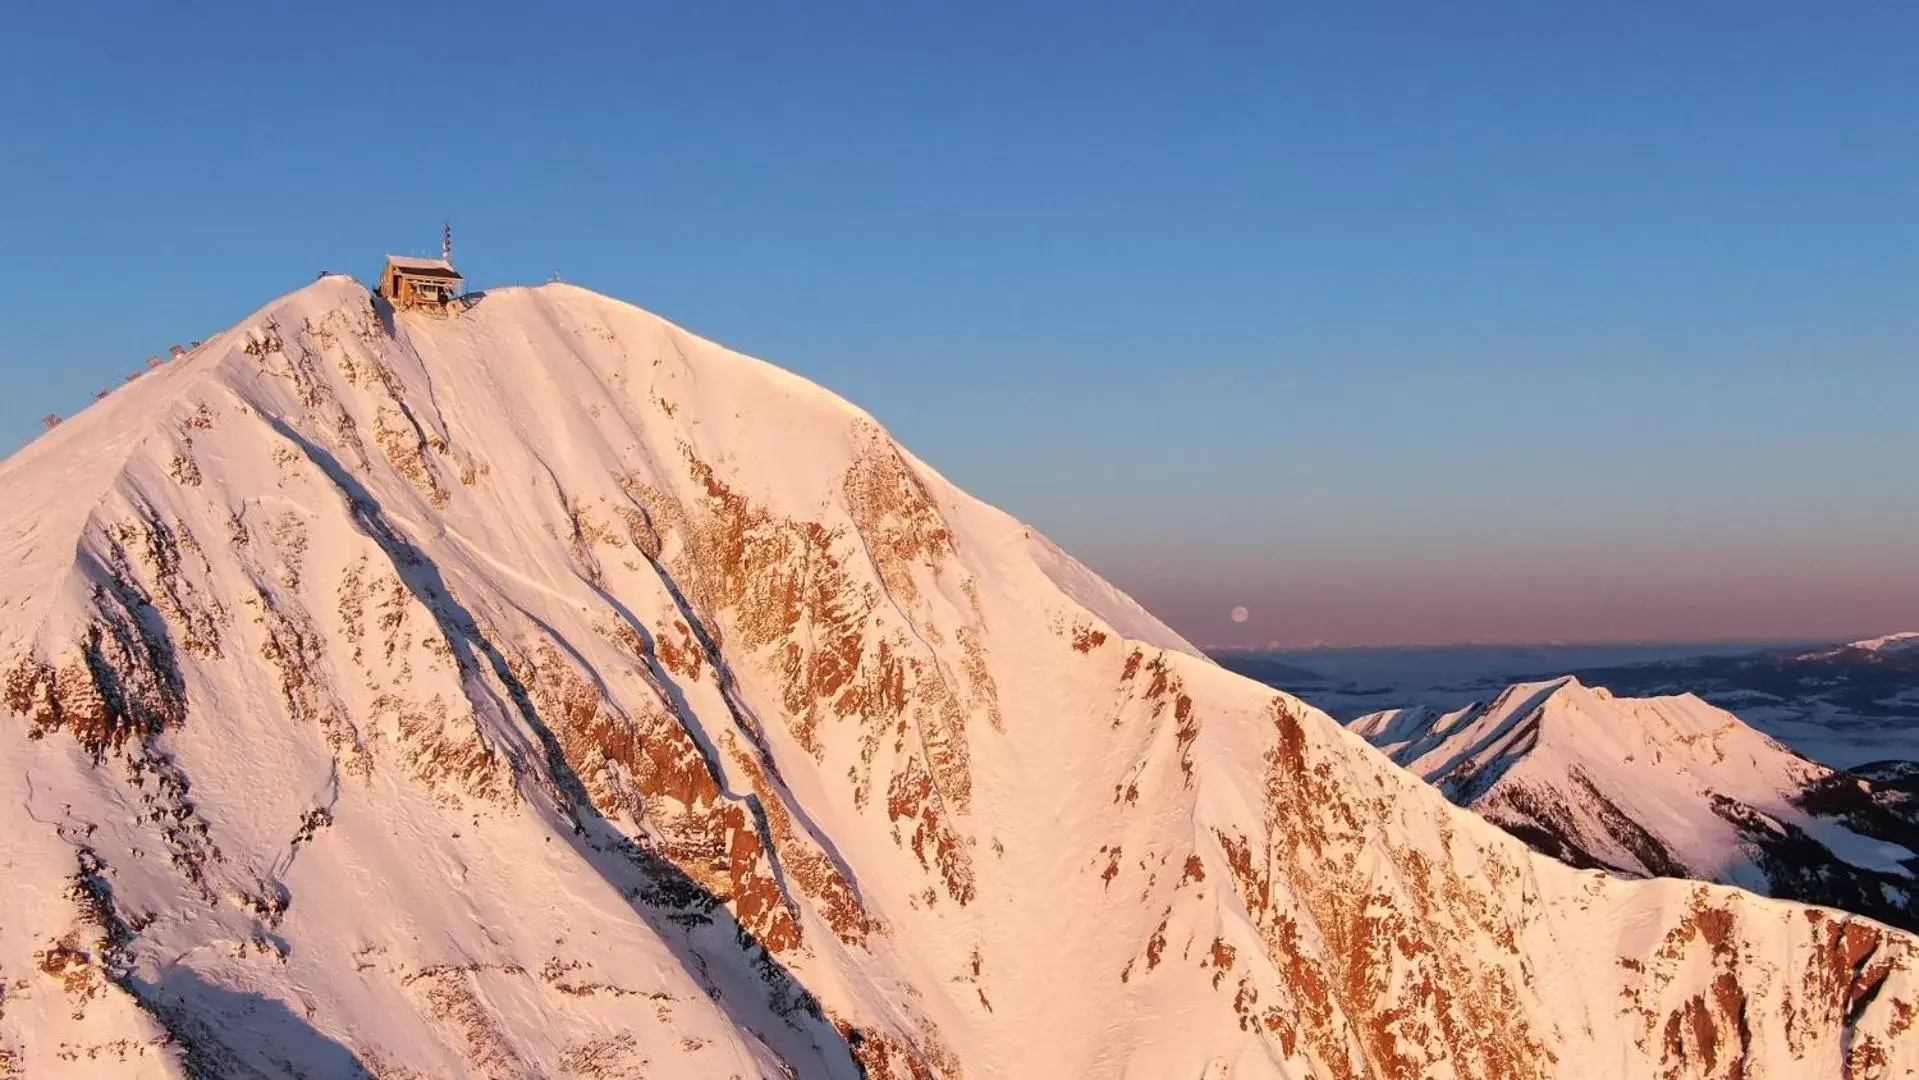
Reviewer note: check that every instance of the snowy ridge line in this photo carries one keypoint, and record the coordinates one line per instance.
(1884, 644)
(1668, 786)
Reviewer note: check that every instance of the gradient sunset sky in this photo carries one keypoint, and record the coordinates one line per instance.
(1391, 322)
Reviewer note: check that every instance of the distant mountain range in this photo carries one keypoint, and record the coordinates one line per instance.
(1790, 770)
(1669, 787)
(1842, 704)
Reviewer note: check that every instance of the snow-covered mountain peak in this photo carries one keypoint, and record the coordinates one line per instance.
(1662, 786)
(1566, 723)
(543, 690)
(517, 354)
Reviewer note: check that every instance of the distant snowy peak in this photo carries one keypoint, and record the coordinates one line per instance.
(1905, 639)
(1558, 723)
(1904, 642)
(1665, 786)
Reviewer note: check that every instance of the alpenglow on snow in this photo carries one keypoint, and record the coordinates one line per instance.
(536, 689)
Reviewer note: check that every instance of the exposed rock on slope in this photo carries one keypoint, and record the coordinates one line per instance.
(547, 692)
(1667, 786)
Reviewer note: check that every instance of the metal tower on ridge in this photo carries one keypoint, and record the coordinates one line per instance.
(446, 242)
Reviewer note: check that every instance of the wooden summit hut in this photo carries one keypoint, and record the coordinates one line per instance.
(430, 284)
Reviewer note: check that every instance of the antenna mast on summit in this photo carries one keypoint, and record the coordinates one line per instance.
(446, 242)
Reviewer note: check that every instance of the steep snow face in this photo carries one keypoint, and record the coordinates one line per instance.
(543, 691)
(1667, 786)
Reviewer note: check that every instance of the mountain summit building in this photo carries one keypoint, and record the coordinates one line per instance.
(409, 282)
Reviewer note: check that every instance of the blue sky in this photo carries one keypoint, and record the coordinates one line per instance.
(1392, 322)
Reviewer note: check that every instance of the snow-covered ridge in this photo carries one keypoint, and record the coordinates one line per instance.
(1667, 786)
(546, 691)
(1903, 641)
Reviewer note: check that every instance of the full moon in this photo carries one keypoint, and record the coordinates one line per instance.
(1239, 614)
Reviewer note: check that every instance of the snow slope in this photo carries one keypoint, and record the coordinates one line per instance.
(543, 691)
(1668, 786)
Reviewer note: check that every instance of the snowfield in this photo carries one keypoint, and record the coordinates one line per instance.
(543, 691)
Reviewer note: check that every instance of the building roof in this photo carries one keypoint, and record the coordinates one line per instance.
(418, 267)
